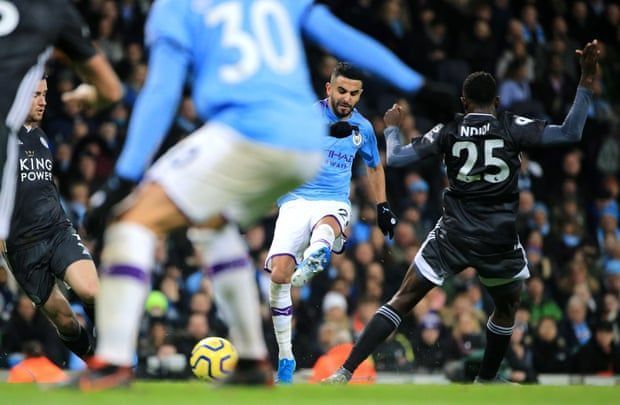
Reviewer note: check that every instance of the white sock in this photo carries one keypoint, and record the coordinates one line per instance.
(225, 255)
(322, 236)
(282, 316)
(127, 260)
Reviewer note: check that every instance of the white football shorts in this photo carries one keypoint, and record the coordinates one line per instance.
(297, 219)
(217, 171)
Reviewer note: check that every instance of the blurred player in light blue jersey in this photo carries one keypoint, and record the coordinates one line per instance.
(313, 217)
(251, 84)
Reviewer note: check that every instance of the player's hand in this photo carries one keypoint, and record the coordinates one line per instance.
(386, 219)
(393, 117)
(588, 59)
(341, 129)
(83, 94)
(102, 202)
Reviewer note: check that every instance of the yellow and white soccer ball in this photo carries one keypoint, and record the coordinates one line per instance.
(213, 359)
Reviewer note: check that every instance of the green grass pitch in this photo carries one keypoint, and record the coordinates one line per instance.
(153, 393)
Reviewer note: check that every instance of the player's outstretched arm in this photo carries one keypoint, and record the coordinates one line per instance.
(324, 29)
(397, 154)
(102, 86)
(571, 129)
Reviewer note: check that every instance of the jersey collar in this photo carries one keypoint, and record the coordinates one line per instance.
(485, 114)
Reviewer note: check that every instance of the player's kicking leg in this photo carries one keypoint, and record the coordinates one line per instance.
(73, 335)
(316, 256)
(385, 321)
(83, 279)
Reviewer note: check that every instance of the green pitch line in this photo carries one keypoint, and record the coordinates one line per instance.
(153, 393)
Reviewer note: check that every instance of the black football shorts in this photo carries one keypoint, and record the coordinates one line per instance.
(36, 266)
(442, 255)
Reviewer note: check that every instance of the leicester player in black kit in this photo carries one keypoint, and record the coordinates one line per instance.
(481, 153)
(28, 31)
(43, 246)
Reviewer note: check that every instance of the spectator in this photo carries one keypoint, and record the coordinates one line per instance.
(519, 358)
(430, 345)
(539, 305)
(515, 88)
(337, 343)
(27, 323)
(575, 329)
(550, 354)
(196, 329)
(36, 368)
(601, 355)
(555, 89)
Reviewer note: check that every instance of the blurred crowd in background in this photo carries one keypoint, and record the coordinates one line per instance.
(568, 321)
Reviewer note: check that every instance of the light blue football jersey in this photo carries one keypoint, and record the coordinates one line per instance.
(334, 179)
(248, 66)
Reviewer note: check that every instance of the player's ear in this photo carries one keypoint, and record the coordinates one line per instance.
(496, 102)
(328, 87)
(464, 103)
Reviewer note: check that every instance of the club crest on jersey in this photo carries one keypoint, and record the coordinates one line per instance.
(357, 138)
(44, 142)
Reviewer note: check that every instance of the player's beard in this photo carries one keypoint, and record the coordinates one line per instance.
(35, 117)
(336, 109)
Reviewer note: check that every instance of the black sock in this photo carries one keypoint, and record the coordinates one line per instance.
(82, 344)
(382, 324)
(90, 312)
(498, 339)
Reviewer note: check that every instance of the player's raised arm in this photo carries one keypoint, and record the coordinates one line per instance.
(102, 86)
(418, 149)
(324, 29)
(571, 129)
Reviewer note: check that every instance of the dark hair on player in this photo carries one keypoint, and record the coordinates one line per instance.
(346, 70)
(480, 88)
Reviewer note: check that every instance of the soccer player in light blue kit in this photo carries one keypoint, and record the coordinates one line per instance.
(313, 217)
(250, 83)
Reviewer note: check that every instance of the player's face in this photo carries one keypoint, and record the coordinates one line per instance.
(343, 95)
(37, 108)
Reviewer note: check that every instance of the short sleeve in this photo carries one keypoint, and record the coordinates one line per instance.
(74, 36)
(526, 132)
(168, 20)
(369, 150)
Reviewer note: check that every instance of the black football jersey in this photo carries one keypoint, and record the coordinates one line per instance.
(28, 31)
(481, 154)
(38, 212)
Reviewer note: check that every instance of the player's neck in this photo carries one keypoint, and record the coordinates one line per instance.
(483, 110)
(30, 125)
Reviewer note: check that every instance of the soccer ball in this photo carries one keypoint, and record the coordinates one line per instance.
(213, 359)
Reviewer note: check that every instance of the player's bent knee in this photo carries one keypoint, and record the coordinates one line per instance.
(83, 279)
(281, 277)
(282, 268)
